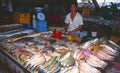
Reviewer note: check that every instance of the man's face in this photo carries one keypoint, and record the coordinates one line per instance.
(73, 8)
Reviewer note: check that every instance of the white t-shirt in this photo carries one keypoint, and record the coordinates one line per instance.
(78, 20)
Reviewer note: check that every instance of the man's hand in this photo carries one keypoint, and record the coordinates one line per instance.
(66, 27)
(70, 32)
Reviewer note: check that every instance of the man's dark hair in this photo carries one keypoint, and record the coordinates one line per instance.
(75, 3)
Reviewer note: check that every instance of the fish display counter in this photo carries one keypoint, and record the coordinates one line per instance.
(42, 53)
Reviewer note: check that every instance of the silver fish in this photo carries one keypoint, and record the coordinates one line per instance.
(109, 48)
(89, 43)
(40, 70)
(56, 68)
(74, 69)
(103, 40)
(114, 45)
(67, 59)
(48, 62)
(51, 65)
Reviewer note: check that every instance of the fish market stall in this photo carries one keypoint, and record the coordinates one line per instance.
(47, 53)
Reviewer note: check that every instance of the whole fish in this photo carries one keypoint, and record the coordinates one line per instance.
(103, 40)
(74, 69)
(88, 44)
(51, 65)
(92, 60)
(109, 48)
(114, 45)
(67, 59)
(103, 56)
(86, 68)
(48, 62)
(56, 68)
(109, 52)
(40, 70)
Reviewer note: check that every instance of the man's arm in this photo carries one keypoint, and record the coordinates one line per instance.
(66, 27)
(77, 29)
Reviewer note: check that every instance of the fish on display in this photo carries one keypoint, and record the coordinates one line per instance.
(103, 56)
(73, 69)
(67, 59)
(103, 40)
(92, 60)
(51, 41)
(35, 61)
(86, 68)
(114, 45)
(50, 48)
(51, 66)
(89, 44)
(109, 50)
(81, 54)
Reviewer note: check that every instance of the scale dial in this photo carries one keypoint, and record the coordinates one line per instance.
(40, 16)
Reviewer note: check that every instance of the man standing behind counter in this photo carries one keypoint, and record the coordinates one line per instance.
(73, 21)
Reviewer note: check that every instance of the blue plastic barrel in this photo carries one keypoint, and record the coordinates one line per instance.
(41, 26)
